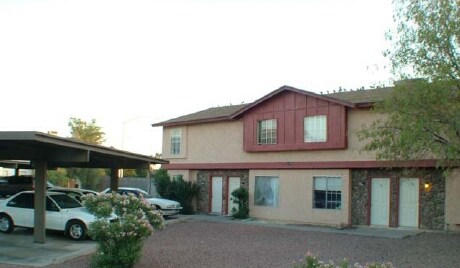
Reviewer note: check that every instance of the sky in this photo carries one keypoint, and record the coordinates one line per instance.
(130, 63)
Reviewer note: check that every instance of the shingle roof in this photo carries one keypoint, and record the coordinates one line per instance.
(359, 98)
(363, 97)
(208, 115)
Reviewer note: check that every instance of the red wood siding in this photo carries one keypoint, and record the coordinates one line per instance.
(289, 109)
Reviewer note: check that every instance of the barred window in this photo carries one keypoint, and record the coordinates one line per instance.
(328, 192)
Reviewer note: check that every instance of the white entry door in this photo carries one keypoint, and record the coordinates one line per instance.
(380, 204)
(233, 184)
(408, 202)
(216, 192)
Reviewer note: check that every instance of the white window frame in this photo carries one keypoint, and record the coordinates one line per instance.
(329, 189)
(315, 128)
(266, 191)
(176, 139)
(267, 131)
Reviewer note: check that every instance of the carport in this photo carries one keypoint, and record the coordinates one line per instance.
(46, 151)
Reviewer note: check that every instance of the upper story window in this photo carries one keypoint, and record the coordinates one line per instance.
(266, 131)
(175, 141)
(315, 128)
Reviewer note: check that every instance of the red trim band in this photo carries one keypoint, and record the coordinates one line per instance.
(305, 165)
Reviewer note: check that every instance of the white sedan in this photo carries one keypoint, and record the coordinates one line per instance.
(63, 213)
(168, 207)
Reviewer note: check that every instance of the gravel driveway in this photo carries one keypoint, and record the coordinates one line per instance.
(196, 243)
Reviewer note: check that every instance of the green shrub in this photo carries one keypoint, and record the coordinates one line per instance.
(162, 183)
(241, 197)
(120, 242)
(178, 189)
(311, 261)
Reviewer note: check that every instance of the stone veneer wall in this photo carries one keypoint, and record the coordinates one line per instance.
(431, 202)
(204, 180)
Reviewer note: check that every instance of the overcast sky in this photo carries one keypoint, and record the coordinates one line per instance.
(130, 63)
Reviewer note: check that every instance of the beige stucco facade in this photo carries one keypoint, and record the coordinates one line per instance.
(223, 143)
(453, 201)
(296, 197)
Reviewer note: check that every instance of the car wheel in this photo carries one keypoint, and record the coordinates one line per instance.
(6, 223)
(76, 230)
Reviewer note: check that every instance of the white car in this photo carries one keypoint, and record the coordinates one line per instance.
(168, 207)
(63, 213)
(76, 193)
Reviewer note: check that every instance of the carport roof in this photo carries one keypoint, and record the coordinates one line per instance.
(67, 152)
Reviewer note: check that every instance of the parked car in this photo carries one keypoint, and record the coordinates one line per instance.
(168, 207)
(14, 184)
(76, 193)
(63, 213)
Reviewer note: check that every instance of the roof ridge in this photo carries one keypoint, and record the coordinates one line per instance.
(360, 98)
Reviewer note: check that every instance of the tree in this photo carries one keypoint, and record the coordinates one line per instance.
(58, 177)
(177, 189)
(423, 115)
(87, 132)
(241, 197)
(91, 133)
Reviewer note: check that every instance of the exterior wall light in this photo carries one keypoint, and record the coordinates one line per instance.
(427, 186)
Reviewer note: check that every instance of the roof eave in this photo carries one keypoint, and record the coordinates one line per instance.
(192, 122)
(365, 104)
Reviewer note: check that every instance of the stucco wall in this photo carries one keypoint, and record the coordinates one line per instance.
(223, 143)
(453, 200)
(296, 197)
(166, 150)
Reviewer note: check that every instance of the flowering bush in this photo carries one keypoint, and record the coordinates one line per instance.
(120, 240)
(311, 261)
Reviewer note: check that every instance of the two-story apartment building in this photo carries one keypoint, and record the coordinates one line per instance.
(298, 154)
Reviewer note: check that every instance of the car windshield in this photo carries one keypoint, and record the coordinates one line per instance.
(64, 201)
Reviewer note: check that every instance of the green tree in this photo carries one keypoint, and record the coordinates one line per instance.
(423, 115)
(241, 197)
(178, 189)
(90, 178)
(140, 173)
(58, 177)
(91, 133)
(87, 132)
(162, 182)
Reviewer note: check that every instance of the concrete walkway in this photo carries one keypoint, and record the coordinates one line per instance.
(18, 247)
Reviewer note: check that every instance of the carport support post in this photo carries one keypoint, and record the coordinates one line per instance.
(39, 201)
(114, 177)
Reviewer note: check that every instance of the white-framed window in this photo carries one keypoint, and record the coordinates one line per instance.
(315, 128)
(266, 191)
(327, 192)
(175, 141)
(266, 131)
